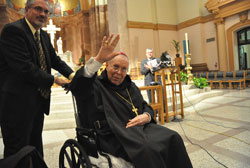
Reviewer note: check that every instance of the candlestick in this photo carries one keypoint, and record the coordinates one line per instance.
(186, 39)
(189, 68)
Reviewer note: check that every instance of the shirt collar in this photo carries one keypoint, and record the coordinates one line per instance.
(33, 30)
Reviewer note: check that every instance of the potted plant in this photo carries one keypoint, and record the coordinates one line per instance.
(177, 47)
(184, 77)
(200, 82)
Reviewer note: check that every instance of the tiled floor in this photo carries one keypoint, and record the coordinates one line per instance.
(221, 126)
(216, 132)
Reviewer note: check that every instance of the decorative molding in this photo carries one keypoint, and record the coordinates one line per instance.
(219, 21)
(147, 25)
(225, 8)
(207, 18)
(189, 23)
(166, 27)
(194, 21)
(243, 16)
(140, 25)
(230, 41)
(214, 5)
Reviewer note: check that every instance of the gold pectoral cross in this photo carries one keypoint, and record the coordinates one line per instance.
(135, 110)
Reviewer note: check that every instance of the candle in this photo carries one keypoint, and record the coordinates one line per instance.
(186, 39)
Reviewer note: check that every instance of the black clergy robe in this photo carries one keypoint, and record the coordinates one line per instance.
(147, 146)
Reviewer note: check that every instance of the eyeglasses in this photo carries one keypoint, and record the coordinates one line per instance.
(117, 68)
(40, 10)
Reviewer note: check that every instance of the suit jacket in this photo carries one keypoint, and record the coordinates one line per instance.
(20, 66)
(149, 76)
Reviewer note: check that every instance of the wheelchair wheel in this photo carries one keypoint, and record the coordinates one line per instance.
(72, 155)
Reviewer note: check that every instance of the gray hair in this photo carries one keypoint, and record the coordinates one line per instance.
(149, 50)
(29, 3)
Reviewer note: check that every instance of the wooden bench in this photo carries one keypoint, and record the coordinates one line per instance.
(226, 79)
(219, 76)
(211, 78)
(157, 101)
(234, 77)
(247, 77)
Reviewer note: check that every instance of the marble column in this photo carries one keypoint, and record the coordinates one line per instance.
(221, 42)
(117, 13)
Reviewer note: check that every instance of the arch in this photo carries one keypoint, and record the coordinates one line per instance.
(230, 33)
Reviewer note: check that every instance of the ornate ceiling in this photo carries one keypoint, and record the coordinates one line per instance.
(57, 7)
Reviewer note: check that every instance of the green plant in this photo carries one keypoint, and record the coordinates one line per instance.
(200, 82)
(176, 45)
(184, 77)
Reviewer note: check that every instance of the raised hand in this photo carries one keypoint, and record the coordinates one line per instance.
(106, 51)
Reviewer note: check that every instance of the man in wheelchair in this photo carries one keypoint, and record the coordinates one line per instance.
(115, 109)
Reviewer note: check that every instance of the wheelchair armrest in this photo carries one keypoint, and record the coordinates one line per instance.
(88, 139)
(86, 131)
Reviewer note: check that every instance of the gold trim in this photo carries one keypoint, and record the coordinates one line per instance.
(230, 41)
(147, 25)
(166, 27)
(207, 18)
(140, 25)
(197, 20)
(226, 8)
(234, 8)
(213, 5)
(243, 16)
(189, 23)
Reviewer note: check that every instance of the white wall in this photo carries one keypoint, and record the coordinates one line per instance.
(187, 9)
(166, 11)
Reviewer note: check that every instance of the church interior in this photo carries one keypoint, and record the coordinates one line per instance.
(213, 36)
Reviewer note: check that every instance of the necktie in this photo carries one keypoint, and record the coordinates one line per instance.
(44, 92)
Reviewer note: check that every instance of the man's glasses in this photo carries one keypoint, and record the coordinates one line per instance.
(40, 10)
(117, 68)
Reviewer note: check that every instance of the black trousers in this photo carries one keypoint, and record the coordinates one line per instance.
(21, 125)
(0, 107)
(149, 84)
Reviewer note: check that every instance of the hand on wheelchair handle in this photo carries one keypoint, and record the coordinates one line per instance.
(138, 120)
(66, 87)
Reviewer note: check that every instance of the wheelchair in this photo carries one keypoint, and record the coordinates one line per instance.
(84, 151)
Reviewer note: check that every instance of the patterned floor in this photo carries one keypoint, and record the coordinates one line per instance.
(216, 132)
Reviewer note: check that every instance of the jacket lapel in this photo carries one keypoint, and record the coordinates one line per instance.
(32, 41)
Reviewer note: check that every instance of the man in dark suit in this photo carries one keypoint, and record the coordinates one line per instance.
(148, 66)
(27, 57)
